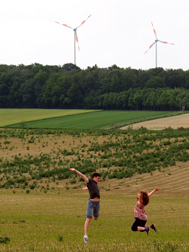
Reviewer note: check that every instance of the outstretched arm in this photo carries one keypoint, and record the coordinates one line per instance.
(150, 194)
(80, 174)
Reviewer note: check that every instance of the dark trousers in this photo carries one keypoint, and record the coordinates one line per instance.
(138, 223)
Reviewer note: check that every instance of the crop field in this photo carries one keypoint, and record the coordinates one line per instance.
(13, 116)
(96, 120)
(175, 122)
(40, 159)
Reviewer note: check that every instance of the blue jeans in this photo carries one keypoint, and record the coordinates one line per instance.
(93, 209)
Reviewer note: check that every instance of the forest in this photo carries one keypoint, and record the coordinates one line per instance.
(112, 88)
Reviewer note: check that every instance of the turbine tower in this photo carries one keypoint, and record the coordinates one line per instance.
(75, 35)
(155, 42)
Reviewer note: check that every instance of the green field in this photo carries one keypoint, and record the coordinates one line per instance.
(54, 222)
(12, 116)
(97, 119)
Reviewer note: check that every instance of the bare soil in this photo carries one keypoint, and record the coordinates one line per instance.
(174, 122)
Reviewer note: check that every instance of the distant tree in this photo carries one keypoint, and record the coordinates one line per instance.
(181, 99)
(28, 95)
(175, 78)
(187, 79)
(138, 99)
(155, 82)
(75, 92)
(70, 67)
(150, 98)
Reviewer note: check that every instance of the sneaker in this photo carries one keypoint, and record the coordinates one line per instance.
(154, 227)
(147, 229)
(85, 238)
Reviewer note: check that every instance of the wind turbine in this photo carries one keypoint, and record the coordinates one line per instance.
(155, 42)
(75, 35)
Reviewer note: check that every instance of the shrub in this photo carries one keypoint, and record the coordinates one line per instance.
(4, 240)
(60, 238)
(32, 186)
(73, 181)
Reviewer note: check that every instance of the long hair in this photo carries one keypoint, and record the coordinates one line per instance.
(144, 198)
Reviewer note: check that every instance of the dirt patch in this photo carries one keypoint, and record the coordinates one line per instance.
(159, 124)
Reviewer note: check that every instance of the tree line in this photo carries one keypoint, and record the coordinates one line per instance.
(68, 86)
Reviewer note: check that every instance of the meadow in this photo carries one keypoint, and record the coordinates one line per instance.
(43, 206)
(54, 222)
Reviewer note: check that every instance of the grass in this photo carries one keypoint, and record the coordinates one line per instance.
(12, 116)
(98, 119)
(54, 222)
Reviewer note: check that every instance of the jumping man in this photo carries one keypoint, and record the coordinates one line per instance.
(93, 204)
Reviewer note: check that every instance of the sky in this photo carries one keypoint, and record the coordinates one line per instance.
(118, 32)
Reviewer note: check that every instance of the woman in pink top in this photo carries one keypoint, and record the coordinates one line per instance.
(140, 214)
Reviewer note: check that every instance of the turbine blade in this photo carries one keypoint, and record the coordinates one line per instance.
(150, 47)
(154, 30)
(166, 42)
(83, 22)
(76, 39)
(63, 24)
(67, 26)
